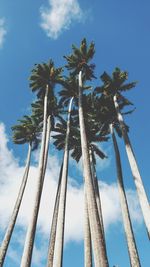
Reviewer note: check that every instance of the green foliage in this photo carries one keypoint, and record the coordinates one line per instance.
(44, 74)
(98, 106)
(53, 109)
(69, 90)
(92, 131)
(114, 84)
(28, 131)
(79, 60)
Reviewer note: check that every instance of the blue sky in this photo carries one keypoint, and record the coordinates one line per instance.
(34, 31)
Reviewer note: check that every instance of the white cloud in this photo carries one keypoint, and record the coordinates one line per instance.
(59, 16)
(2, 31)
(10, 179)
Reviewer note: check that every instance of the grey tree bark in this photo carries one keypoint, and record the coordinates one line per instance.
(48, 133)
(132, 249)
(29, 242)
(51, 247)
(99, 249)
(11, 225)
(96, 188)
(144, 203)
(87, 236)
(62, 202)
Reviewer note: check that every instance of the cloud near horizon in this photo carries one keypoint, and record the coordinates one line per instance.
(59, 15)
(10, 179)
(2, 31)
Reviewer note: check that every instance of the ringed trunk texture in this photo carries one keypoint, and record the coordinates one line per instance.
(96, 188)
(9, 230)
(62, 201)
(132, 249)
(99, 249)
(29, 242)
(51, 248)
(144, 203)
(87, 236)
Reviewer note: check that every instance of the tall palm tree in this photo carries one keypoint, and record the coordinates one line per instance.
(43, 79)
(75, 147)
(111, 90)
(60, 143)
(103, 115)
(67, 83)
(93, 136)
(93, 150)
(133, 253)
(53, 110)
(78, 64)
(28, 131)
(63, 191)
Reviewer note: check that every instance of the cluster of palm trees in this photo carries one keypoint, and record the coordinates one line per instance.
(80, 117)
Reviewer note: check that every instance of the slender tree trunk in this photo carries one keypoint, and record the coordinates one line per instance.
(51, 248)
(99, 249)
(9, 230)
(29, 242)
(48, 132)
(87, 236)
(144, 203)
(132, 249)
(96, 188)
(62, 201)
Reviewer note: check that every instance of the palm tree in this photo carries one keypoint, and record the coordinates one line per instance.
(132, 249)
(76, 153)
(93, 136)
(93, 150)
(43, 79)
(103, 115)
(75, 147)
(78, 63)
(28, 131)
(62, 198)
(111, 90)
(87, 233)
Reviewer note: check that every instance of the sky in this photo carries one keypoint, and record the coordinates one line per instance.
(33, 32)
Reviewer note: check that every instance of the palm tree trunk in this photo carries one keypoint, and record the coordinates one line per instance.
(96, 188)
(135, 171)
(132, 249)
(54, 224)
(9, 230)
(28, 247)
(87, 236)
(48, 132)
(62, 201)
(99, 249)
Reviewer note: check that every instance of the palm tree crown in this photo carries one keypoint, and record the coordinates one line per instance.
(45, 74)
(79, 60)
(28, 131)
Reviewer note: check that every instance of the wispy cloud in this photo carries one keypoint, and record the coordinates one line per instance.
(2, 31)
(10, 179)
(59, 15)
